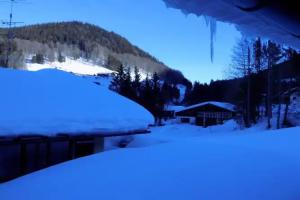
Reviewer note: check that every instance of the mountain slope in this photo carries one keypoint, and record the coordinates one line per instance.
(81, 40)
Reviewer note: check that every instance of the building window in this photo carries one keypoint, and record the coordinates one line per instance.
(185, 120)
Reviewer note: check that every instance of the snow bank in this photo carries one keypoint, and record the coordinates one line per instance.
(79, 66)
(52, 101)
(270, 21)
(260, 166)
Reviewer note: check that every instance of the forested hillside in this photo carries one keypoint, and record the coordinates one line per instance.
(54, 41)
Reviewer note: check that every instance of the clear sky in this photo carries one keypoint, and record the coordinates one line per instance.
(181, 42)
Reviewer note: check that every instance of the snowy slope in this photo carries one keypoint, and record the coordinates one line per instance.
(240, 166)
(79, 67)
(53, 101)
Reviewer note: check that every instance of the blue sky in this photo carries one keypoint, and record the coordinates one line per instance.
(181, 42)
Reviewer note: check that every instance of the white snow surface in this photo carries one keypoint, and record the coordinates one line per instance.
(264, 22)
(174, 108)
(182, 91)
(177, 162)
(225, 105)
(78, 66)
(52, 101)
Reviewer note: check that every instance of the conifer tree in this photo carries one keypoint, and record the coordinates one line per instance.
(257, 51)
(118, 79)
(137, 80)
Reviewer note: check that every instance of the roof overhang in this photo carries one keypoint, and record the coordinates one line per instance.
(278, 20)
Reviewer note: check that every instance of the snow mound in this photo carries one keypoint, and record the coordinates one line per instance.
(260, 166)
(79, 67)
(53, 101)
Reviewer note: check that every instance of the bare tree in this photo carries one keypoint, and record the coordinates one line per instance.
(241, 67)
(273, 54)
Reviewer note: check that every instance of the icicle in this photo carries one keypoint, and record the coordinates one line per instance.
(212, 23)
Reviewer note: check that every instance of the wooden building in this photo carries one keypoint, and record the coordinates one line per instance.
(170, 110)
(206, 114)
(21, 155)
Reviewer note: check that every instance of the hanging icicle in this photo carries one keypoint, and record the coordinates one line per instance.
(212, 23)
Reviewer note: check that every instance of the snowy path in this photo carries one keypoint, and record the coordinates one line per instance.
(178, 162)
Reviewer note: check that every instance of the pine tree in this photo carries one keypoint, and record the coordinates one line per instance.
(118, 79)
(61, 58)
(175, 93)
(257, 51)
(273, 55)
(38, 58)
(126, 85)
(155, 82)
(137, 80)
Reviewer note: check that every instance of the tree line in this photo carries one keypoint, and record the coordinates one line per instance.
(257, 81)
(52, 41)
(151, 93)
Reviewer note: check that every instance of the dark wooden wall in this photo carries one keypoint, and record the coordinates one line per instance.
(23, 155)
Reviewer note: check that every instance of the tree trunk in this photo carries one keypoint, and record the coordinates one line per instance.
(279, 101)
(248, 90)
(279, 115)
(286, 111)
(269, 98)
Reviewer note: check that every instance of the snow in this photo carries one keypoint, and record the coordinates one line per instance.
(174, 108)
(270, 22)
(182, 91)
(224, 105)
(51, 101)
(79, 67)
(178, 162)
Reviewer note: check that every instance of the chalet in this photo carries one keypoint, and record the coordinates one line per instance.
(170, 110)
(207, 113)
(44, 122)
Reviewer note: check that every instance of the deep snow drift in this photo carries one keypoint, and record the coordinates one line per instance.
(52, 101)
(206, 164)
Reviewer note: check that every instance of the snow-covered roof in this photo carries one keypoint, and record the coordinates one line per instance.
(174, 108)
(50, 101)
(225, 105)
(276, 20)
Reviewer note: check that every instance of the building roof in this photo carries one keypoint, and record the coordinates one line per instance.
(49, 102)
(174, 108)
(224, 105)
(292, 91)
(275, 20)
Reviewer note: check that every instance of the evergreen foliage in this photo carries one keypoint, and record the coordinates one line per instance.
(259, 80)
(150, 93)
(83, 40)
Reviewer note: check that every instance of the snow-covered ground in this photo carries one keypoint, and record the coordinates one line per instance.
(78, 66)
(52, 101)
(177, 162)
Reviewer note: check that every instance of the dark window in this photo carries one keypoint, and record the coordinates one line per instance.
(185, 120)
(84, 148)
